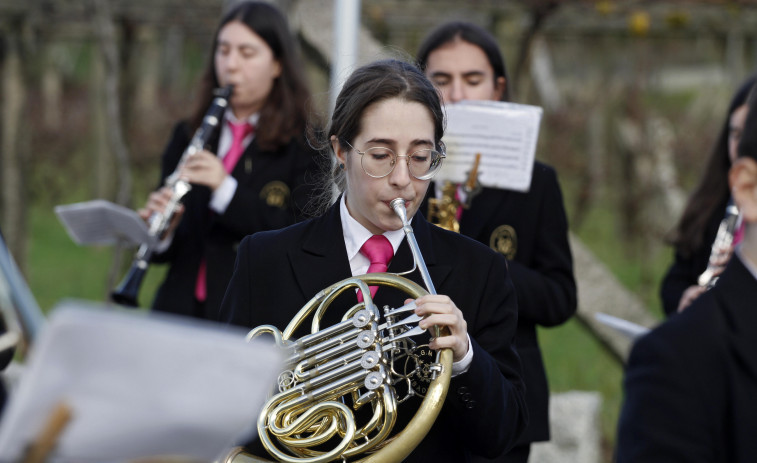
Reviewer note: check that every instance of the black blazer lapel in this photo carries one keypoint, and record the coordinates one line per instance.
(737, 290)
(321, 260)
(249, 162)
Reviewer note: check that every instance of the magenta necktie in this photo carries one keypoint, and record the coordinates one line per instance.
(238, 133)
(739, 235)
(379, 251)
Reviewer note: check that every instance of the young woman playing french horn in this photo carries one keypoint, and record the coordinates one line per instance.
(385, 136)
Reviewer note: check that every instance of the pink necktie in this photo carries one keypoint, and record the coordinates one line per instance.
(379, 251)
(459, 211)
(739, 235)
(238, 133)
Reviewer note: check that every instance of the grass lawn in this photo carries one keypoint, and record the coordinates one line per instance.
(575, 361)
(57, 268)
(574, 358)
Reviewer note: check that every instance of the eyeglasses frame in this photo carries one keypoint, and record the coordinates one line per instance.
(442, 156)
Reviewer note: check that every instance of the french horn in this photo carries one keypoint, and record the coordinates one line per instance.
(350, 367)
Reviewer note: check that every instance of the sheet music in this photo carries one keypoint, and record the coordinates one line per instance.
(504, 133)
(139, 385)
(629, 329)
(101, 222)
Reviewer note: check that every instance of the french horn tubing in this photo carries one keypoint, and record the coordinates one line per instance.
(334, 371)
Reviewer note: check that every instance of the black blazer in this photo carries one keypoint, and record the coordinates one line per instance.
(277, 272)
(532, 230)
(273, 190)
(690, 384)
(685, 269)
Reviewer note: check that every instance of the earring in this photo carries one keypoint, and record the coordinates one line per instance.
(341, 165)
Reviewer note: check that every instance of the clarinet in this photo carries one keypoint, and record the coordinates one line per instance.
(722, 244)
(158, 223)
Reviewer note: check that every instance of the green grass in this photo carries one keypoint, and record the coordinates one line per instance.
(576, 361)
(574, 358)
(58, 268)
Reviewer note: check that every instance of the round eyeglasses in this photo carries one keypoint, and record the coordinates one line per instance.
(379, 161)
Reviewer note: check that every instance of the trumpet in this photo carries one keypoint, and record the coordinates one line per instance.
(354, 362)
(721, 246)
(158, 223)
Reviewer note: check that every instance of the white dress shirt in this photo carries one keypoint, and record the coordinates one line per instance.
(355, 235)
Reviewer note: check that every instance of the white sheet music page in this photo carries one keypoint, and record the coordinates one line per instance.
(139, 386)
(504, 133)
(101, 222)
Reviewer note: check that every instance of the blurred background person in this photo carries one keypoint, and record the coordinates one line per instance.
(465, 63)
(270, 183)
(690, 383)
(697, 228)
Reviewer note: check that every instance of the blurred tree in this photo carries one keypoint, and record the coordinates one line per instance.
(109, 54)
(538, 12)
(14, 150)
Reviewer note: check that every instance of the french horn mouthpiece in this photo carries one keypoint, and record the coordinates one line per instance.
(398, 204)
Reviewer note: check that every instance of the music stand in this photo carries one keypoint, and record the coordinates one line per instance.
(138, 385)
(628, 329)
(101, 222)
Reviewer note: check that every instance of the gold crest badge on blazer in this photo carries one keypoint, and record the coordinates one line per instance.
(504, 240)
(275, 194)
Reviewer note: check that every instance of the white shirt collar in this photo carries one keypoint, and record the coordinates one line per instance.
(355, 235)
(230, 117)
(224, 142)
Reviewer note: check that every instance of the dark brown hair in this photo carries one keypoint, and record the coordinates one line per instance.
(370, 84)
(712, 193)
(284, 112)
(748, 142)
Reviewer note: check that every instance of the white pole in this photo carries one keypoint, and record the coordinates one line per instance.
(346, 28)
